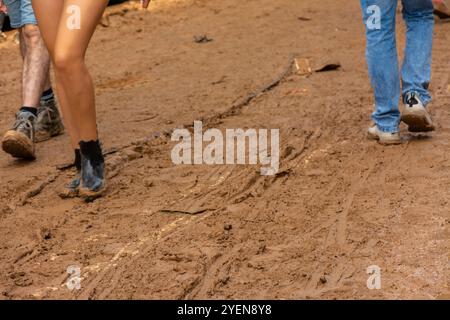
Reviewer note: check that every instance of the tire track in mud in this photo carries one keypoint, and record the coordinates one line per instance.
(131, 250)
(216, 271)
(341, 228)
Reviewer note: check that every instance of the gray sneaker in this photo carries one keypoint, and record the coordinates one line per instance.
(19, 141)
(415, 115)
(48, 122)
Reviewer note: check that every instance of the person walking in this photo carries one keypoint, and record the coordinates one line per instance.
(38, 119)
(389, 82)
(67, 28)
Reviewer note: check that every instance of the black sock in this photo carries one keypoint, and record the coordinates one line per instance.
(77, 161)
(29, 109)
(92, 150)
(47, 95)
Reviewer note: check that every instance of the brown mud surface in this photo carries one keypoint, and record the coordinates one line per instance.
(339, 204)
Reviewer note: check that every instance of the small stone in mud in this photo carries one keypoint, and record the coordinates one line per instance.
(228, 227)
(6, 210)
(148, 183)
(46, 234)
(262, 248)
(202, 39)
(323, 279)
(224, 280)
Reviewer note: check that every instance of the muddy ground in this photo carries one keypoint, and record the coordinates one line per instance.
(339, 204)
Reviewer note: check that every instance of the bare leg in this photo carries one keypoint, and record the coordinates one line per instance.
(23, 52)
(67, 45)
(71, 72)
(23, 47)
(19, 141)
(47, 13)
(36, 64)
(48, 83)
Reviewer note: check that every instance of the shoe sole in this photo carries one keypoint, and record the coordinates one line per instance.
(41, 136)
(89, 195)
(18, 145)
(418, 121)
(68, 193)
(383, 142)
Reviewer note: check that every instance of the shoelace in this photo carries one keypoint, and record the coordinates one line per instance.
(23, 122)
(48, 111)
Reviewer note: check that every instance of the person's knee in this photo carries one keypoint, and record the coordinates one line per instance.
(66, 61)
(31, 35)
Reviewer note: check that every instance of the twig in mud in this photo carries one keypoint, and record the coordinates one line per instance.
(236, 107)
(286, 72)
(328, 67)
(202, 39)
(192, 213)
(37, 189)
(65, 166)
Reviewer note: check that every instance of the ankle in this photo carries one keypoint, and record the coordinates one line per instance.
(77, 161)
(92, 150)
(47, 95)
(32, 110)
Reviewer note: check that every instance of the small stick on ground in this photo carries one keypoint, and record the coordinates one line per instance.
(37, 189)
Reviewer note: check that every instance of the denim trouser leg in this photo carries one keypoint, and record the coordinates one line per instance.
(382, 61)
(416, 70)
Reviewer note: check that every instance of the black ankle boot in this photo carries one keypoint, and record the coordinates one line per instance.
(75, 183)
(92, 169)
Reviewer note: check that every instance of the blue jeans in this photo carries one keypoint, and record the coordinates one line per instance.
(382, 59)
(20, 13)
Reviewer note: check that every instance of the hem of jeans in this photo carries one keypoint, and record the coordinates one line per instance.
(22, 24)
(387, 129)
(425, 103)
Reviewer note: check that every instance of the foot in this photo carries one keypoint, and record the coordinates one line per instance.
(71, 189)
(93, 181)
(19, 141)
(75, 183)
(48, 123)
(385, 138)
(415, 115)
